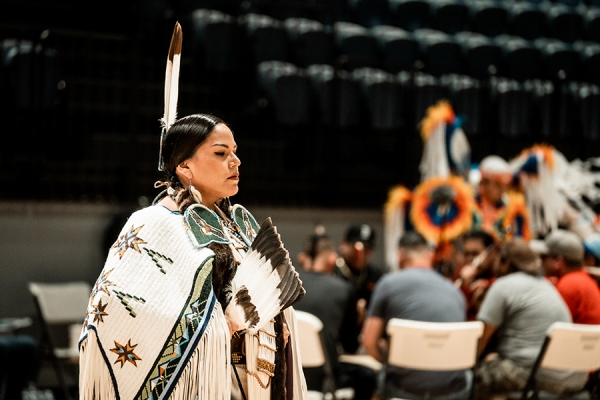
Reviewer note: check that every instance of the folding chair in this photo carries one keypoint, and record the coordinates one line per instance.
(313, 355)
(567, 346)
(61, 305)
(433, 345)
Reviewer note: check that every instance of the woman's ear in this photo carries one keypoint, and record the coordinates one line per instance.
(183, 171)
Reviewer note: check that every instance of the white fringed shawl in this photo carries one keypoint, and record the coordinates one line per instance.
(154, 328)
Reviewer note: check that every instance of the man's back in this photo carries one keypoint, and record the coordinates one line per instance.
(420, 294)
(332, 300)
(523, 307)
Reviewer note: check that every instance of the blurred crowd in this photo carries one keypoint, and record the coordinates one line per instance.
(511, 243)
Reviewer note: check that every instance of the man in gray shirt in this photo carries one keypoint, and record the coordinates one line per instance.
(518, 309)
(415, 292)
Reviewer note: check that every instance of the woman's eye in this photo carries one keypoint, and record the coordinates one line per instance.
(220, 153)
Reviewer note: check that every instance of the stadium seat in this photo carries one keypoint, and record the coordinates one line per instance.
(590, 61)
(440, 53)
(527, 20)
(513, 105)
(225, 6)
(347, 100)
(591, 24)
(570, 3)
(382, 97)
(356, 44)
(270, 9)
(398, 49)
(466, 96)
(370, 13)
(483, 56)
(427, 91)
(310, 42)
(488, 17)
(589, 104)
(555, 107)
(216, 39)
(564, 22)
(266, 38)
(559, 59)
(278, 79)
(409, 14)
(522, 60)
(449, 16)
(33, 73)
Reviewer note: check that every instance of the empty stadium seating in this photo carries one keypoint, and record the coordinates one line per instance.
(526, 69)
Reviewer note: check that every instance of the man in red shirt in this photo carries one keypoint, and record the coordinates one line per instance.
(576, 286)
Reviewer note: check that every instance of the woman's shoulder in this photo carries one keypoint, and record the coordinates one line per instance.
(154, 220)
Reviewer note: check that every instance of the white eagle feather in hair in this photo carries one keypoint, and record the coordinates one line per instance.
(266, 282)
(171, 86)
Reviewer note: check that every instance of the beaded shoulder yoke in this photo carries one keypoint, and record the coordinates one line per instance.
(206, 227)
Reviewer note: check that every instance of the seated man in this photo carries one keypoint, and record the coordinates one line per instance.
(519, 308)
(415, 292)
(354, 264)
(333, 301)
(579, 290)
(475, 277)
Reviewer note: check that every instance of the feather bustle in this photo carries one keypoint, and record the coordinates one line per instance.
(267, 277)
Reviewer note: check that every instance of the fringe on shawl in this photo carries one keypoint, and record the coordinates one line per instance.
(300, 391)
(207, 374)
(95, 379)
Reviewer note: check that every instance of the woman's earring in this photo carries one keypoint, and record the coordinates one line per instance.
(195, 193)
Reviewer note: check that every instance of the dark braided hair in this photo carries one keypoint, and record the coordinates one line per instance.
(182, 140)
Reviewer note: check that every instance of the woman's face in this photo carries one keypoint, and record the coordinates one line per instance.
(214, 167)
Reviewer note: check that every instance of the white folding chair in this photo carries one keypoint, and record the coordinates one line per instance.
(433, 345)
(567, 346)
(61, 309)
(313, 355)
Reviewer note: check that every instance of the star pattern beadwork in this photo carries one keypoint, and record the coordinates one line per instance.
(125, 353)
(102, 284)
(98, 311)
(129, 240)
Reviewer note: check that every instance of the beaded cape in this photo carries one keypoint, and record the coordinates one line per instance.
(154, 328)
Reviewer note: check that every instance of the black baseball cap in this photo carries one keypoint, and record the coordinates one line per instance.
(361, 233)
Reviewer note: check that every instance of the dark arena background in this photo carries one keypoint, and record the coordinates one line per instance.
(82, 90)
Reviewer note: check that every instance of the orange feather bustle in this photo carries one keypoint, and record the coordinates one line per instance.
(545, 149)
(398, 196)
(463, 201)
(440, 112)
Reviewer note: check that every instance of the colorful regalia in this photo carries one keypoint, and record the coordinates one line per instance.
(441, 206)
(503, 219)
(446, 149)
(507, 216)
(154, 327)
(440, 209)
(555, 191)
